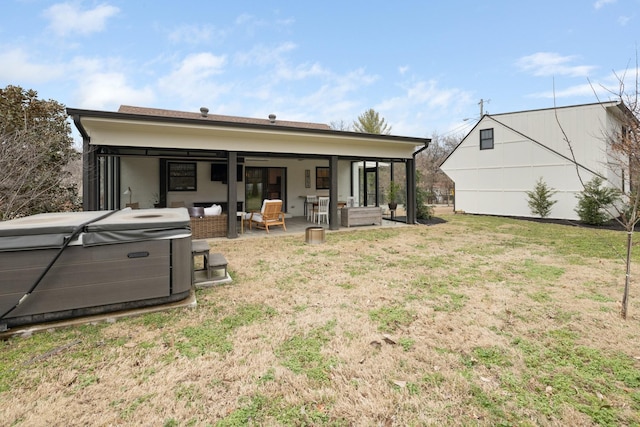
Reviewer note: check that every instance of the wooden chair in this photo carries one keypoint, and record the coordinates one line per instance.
(310, 210)
(271, 214)
(323, 209)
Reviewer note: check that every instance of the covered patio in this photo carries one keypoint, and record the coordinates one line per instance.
(162, 158)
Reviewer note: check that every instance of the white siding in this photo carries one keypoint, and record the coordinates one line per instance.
(527, 146)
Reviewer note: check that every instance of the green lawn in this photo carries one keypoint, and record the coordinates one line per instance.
(475, 321)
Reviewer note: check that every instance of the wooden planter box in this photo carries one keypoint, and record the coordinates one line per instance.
(366, 215)
(209, 226)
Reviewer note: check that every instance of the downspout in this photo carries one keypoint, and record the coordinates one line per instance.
(88, 181)
(414, 183)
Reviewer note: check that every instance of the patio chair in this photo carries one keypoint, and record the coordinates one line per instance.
(271, 214)
(311, 212)
(323, 209)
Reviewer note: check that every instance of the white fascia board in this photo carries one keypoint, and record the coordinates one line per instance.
(132, 133)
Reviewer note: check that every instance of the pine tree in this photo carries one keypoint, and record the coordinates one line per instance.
(593, 200)
(540, 201)
(370, 122)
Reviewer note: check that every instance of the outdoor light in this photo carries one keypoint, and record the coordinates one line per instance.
(129, 192)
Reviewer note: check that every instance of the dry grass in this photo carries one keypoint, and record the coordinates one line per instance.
(476, 321)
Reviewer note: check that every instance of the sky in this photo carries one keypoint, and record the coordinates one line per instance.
(428, 67)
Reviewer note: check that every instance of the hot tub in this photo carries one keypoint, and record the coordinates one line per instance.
(86, 263)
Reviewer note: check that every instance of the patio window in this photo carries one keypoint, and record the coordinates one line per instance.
(323, 179)
(486, 139)
(182, 176)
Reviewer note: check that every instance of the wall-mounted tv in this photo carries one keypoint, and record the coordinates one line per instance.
(219, 172)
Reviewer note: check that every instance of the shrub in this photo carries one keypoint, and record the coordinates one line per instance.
(593, 200)
(540, 201)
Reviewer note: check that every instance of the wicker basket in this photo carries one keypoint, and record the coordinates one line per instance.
(209, 226)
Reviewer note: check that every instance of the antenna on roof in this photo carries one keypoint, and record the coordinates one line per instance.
(204, 111)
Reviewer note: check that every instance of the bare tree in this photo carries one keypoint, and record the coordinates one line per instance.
(624, 162)
(433, 180)
(340, 125)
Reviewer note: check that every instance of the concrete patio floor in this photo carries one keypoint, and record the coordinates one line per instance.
(299, 224)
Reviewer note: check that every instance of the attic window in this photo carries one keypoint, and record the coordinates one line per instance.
(486, 139)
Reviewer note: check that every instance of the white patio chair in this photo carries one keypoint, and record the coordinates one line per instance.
(323, 209)
(310, 209)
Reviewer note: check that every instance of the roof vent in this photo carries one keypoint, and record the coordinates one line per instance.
(204, 111)
(272, 118)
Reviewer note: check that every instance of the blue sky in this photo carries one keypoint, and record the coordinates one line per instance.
(423, 65)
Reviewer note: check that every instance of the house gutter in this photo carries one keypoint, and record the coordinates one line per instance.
(426, 145)
(80, 127)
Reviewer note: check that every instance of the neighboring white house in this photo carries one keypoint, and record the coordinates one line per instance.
(505, 154)
(149, 156)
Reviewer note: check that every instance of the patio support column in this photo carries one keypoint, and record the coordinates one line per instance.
(89, 177)
(333, 194)
(411, 191)
(232, 194)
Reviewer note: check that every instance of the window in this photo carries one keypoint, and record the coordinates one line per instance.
(182, 176)
(486, 139)
(322, 178)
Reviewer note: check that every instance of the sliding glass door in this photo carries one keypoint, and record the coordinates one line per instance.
(264, 183)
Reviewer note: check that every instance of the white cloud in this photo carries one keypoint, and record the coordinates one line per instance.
(67, 18)
(192, 80)
(550, 63)
(582, 90)
(335, 89)
(603, 88)
(195, 34)
(264, 55)
(300, 72)
(102, 83)
(198, 66)
(601, 3)
(109, 90)
(19, 67)
(426, 93)
(253, 25)
(403, 69)
(422, 103)
(623, 20)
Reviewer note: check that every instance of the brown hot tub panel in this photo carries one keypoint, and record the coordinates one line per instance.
(120, 262)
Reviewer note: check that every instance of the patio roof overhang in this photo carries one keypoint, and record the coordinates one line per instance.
(117, 129)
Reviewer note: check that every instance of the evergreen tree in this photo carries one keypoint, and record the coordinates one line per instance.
(540, 201)
(593, 200)
(371, 122)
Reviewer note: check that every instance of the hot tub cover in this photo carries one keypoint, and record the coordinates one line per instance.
(50, 230)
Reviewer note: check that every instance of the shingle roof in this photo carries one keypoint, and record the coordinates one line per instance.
(158, 112)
